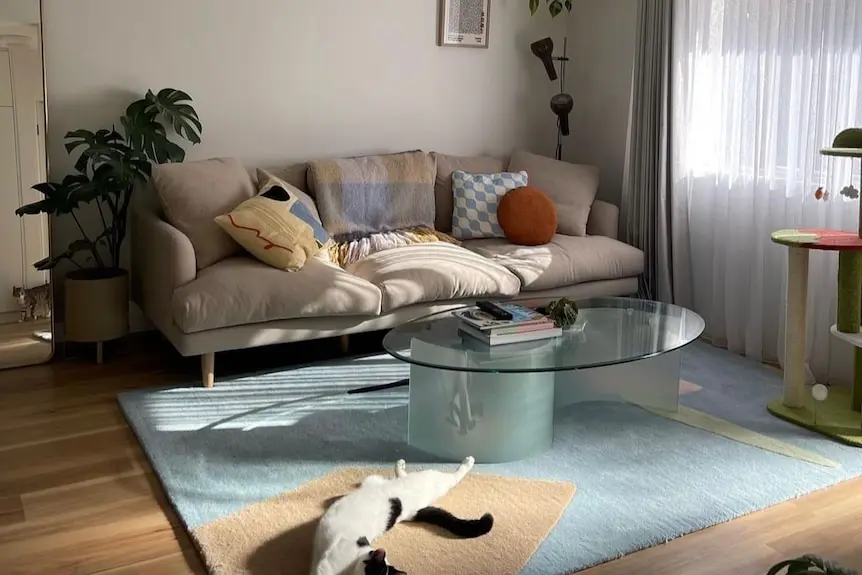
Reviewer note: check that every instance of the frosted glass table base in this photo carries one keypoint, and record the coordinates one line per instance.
(493, 417)
(498, 417)
(651, 382)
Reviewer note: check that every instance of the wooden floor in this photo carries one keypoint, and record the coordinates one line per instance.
(78, 496)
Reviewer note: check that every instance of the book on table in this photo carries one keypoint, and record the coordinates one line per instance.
(526, 325)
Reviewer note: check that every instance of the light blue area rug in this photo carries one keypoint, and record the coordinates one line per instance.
(642, 479)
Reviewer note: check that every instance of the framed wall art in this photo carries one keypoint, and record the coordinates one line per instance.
(463, 23)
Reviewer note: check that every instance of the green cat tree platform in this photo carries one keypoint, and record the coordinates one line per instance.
(840, 415)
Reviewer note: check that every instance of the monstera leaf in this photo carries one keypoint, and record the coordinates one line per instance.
(94, 143)
(60, 197)
(107, 148)
(109, 179)
(146, 135)
(74, 248)
(174, 108)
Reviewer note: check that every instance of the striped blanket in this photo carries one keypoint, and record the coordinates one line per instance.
(357, 197)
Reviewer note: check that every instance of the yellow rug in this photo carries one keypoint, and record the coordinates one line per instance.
(274, 537)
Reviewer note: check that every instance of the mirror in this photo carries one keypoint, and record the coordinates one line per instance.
(26, 327)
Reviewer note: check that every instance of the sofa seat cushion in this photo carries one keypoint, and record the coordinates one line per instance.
(565, 261)
(434, 272)
(241, 290)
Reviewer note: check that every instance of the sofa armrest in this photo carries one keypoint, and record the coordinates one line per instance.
(604, 220)
(163, 259)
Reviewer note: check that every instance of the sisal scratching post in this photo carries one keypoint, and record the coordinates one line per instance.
(856, 394)
(794, 333)
(850, 311)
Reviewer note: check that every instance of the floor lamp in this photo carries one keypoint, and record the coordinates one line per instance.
(561, 103)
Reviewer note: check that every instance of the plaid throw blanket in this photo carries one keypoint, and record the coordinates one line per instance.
(357, 197)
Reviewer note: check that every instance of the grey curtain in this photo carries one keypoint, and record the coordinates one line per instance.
(645, 204)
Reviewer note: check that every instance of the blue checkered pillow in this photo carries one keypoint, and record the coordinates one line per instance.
(476, 198)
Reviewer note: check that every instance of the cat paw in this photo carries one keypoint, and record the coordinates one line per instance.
(468, 462)
(400, 468)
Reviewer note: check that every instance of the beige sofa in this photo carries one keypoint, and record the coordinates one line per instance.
(239, 302)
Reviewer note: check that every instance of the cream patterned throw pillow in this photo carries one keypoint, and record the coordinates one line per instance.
(476, 197)
(276, 226)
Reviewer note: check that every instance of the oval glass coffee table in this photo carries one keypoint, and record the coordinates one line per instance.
(497, 403)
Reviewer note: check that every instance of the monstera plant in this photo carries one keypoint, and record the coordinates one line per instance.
(554, 6)
(110, 164)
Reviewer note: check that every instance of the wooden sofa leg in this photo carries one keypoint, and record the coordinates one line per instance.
(208, 369)
(344, 343)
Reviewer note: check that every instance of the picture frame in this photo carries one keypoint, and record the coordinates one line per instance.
(463, 23)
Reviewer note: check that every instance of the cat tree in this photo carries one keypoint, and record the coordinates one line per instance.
(839, 415)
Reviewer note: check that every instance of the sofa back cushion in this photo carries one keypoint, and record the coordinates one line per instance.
(192, 194)
(572, 187)
(446, 165)
(364, 195)
(293, 174)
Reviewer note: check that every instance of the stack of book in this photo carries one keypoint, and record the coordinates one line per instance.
(526, 325)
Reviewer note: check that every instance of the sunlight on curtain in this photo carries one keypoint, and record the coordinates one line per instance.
(760, 86)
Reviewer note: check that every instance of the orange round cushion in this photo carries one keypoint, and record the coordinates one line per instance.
(528, 216)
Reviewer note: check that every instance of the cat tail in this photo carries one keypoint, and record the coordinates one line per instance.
(464, 528)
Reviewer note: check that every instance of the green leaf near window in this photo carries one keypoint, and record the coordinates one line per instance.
(555, 7)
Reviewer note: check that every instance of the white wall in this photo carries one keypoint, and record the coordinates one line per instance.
(602, 43)
(276, 81)
(19, 12)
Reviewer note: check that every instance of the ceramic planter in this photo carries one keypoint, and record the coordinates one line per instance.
(97, 305)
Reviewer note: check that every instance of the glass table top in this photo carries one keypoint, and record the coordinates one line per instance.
(614, 330)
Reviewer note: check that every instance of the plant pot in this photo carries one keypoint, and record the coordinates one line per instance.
(97, 305)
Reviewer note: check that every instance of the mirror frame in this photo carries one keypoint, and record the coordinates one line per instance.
(50, 219)
(51, 284)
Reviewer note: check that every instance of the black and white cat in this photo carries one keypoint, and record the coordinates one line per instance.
(342, 544)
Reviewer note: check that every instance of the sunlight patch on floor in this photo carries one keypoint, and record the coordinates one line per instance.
(279, 399)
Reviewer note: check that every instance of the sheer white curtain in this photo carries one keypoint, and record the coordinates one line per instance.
(759, 87)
